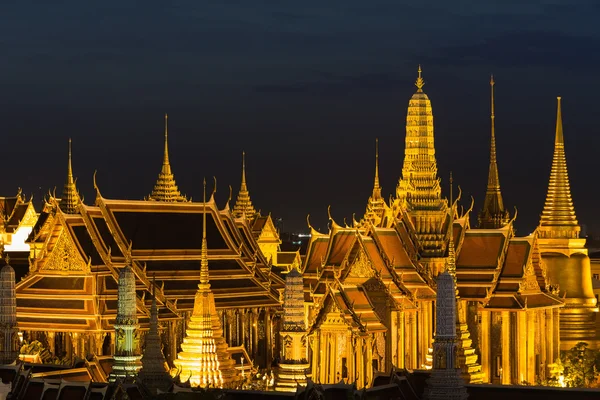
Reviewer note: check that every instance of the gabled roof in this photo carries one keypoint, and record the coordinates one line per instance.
(353, 306)
(479, 261)
(517, 287)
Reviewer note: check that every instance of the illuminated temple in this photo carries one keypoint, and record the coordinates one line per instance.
(212, 298)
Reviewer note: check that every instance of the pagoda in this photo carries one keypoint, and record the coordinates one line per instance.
(204, 360)
(153, 374)
(243, 205)
(493, 215)
(445, 382)
(127, 358)
(165, 188)
(564, 252)
(292, 370)
(418, 194)
(9, 350)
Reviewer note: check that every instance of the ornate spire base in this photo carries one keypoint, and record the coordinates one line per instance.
(445, 384)
(205, 361)
(294, 370)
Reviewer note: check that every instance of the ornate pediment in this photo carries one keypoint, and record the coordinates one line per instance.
(65, 257)
(529, 282)
(30, 217)
(361, 267)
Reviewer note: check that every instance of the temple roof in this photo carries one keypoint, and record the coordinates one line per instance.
(165, 188)
(518, 287)
(162, 239)
(558, 217)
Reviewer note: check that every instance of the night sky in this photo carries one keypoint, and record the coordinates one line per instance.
(304, 88)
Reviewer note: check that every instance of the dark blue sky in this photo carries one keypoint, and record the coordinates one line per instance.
(304, 88)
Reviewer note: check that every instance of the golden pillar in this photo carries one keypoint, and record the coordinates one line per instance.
(484, 345)
(369, 360)
(400, 354)
(506, 353)
(531, 331)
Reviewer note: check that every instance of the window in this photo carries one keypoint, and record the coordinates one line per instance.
(596, 276)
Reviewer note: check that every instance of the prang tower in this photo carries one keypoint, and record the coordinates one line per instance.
(418, 194)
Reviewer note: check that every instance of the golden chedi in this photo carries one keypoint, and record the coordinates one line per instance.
(564, 252)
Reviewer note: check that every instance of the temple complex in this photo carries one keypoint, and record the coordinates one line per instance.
(203, 289)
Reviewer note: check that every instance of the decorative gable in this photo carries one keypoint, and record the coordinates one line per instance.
(64, 257)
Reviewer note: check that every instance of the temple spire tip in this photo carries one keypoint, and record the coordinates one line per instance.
(420, 82)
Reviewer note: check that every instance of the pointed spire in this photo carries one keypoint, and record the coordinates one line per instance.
(558, 217)
(165, 188)
(375, 205)
(376, 187)
(493, 215)
(166, 164)
(451, 261)
(204, 279)
(70, 198)
(243, 204)
(420, 82)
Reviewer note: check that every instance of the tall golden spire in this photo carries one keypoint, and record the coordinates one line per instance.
(204, 360)
(493, 214)
(243, 204)
(70, 197)
(558, 217)
(165, 188)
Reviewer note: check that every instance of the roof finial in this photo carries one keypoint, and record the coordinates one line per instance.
(165, 188)
(166, 156)
(244, 170)
(493, 120)
(376, 185)
(420, 82)
(69, 167)
(69, 200)
(243, 205)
